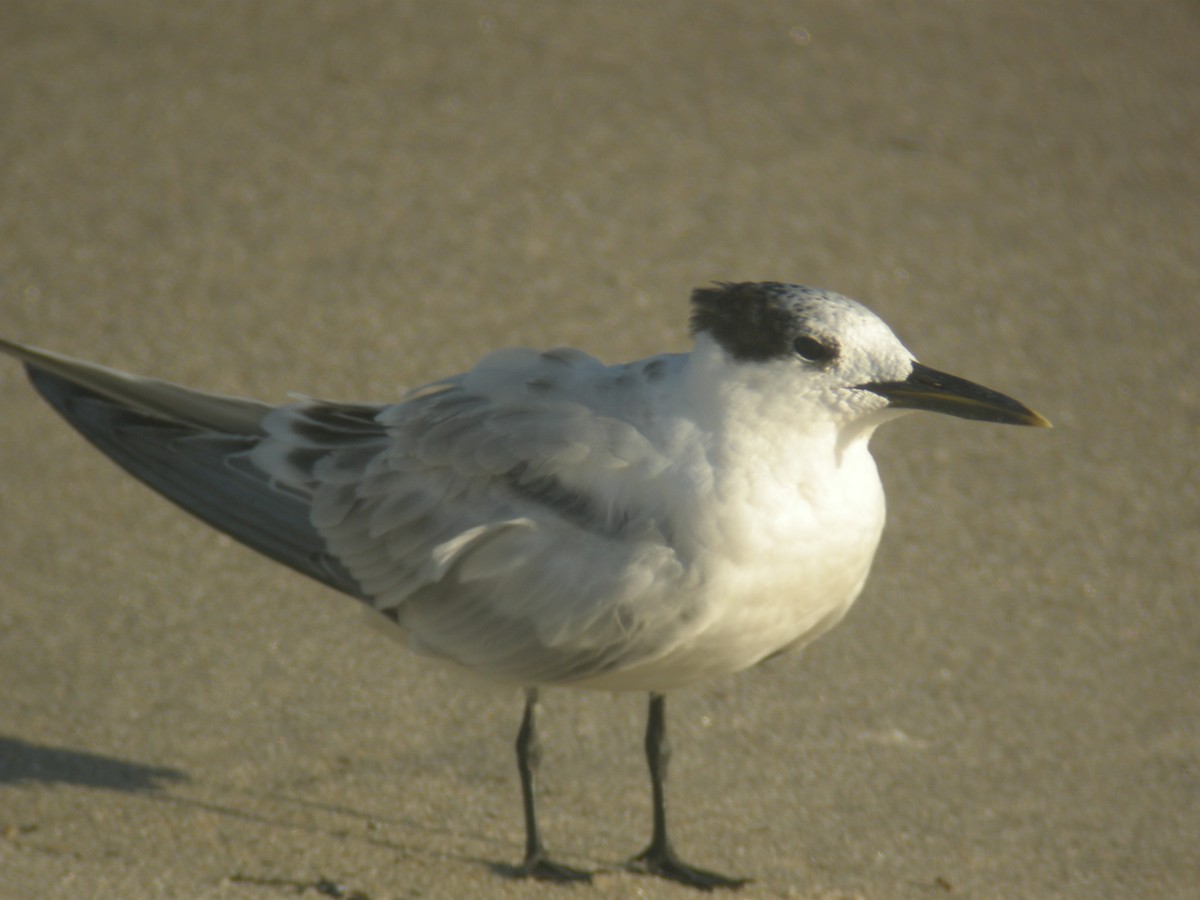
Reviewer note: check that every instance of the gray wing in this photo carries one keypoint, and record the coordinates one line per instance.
(192, 448)
(504, 518)
(508, 522)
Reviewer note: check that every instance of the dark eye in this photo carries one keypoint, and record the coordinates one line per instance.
(811, 349)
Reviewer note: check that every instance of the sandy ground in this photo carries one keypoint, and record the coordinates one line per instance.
(344, 198)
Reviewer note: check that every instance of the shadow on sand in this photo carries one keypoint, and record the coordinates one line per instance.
(24, 763)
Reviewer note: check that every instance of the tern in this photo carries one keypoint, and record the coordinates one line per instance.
(547, 520)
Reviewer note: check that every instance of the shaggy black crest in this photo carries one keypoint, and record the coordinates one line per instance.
(751, 320)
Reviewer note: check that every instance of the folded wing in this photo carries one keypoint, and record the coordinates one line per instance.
(483, 514)
(484, 522)
(190, 447)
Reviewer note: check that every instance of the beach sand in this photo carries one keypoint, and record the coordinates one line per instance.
(343, 200)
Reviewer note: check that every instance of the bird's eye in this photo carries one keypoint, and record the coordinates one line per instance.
(811, 349)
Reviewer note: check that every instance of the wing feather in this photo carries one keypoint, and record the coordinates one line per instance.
(192, 448)
(485, 522)
(505, 518)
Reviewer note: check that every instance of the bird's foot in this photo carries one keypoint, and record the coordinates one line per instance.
(663, 862)
(538, 867)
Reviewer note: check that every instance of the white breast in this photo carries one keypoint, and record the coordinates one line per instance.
(774, 559)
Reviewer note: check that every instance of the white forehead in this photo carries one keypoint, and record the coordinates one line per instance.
(837, 316)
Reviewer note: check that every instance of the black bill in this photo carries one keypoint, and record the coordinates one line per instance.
(936, 391)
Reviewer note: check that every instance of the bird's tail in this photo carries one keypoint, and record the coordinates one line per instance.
(191, 447)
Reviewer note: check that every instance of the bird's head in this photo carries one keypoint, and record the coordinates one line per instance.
(820, 345)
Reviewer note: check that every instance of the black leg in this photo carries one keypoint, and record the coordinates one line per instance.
(659, 858)
(529, 755)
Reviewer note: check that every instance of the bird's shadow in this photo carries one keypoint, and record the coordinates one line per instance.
(24, 763)
(31, 764)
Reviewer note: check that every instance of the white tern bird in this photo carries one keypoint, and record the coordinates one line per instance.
(546, 520)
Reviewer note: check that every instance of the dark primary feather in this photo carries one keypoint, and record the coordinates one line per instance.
(204, 472)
